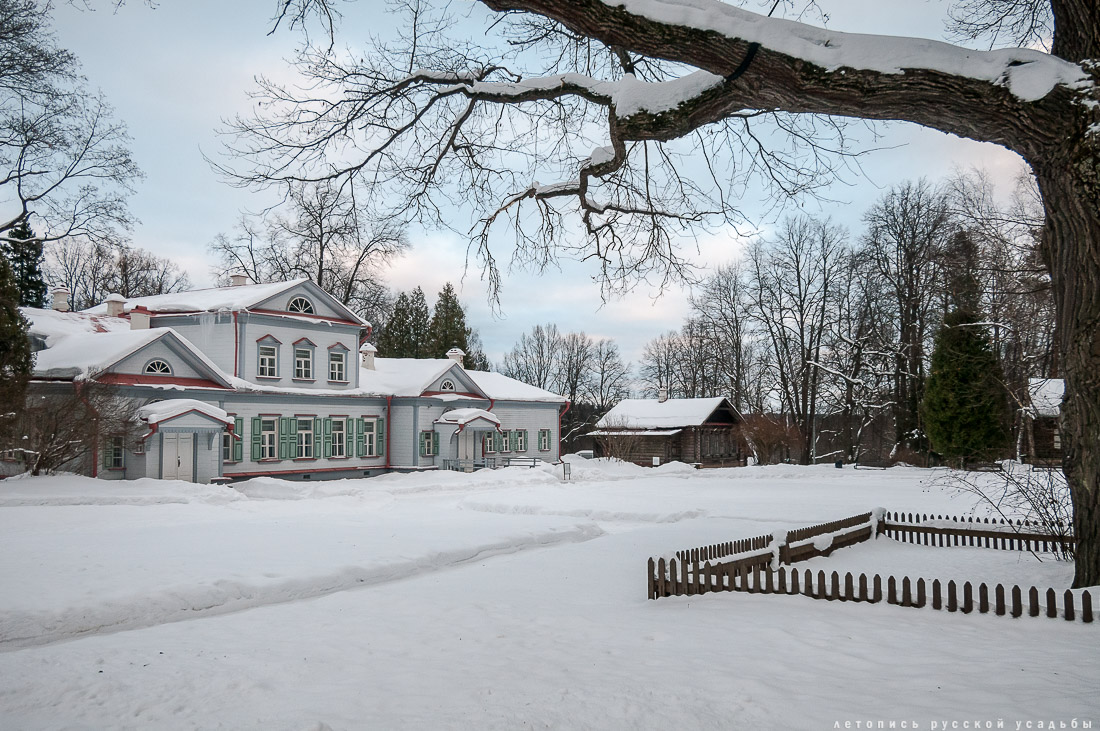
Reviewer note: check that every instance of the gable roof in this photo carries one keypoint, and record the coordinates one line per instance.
(500, 387)
(404, 376)
(227, 299)
(1046, 395)
(654, 414)
(85, 355)
(49, 326)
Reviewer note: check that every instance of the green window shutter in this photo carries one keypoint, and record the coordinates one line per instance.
(255, 439)
(284, 437)
(526, 444)
(360, 438)
(318, 437)
(349, 436)
(327, 423)
(513, 441)
(498, 442)
(423, 444)
(380, 438)
(238, 441)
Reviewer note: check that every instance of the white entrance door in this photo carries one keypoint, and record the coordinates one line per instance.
(179, 457)
(467, 442)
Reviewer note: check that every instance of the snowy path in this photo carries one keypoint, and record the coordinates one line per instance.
(456, 622)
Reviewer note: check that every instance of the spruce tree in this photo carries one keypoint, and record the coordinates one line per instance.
(393, 340)
(965, 409)
(419, 325)
(24, 253)
(15, 354)
(448, 326)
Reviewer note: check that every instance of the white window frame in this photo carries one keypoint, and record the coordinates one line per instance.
(487, 444)
(306, 309)
(269, 438)
(521, 440)
(338, 447)
(304, 446)
(370, 436)
(340, 359)
(114, 453)
(303, 366)
(505, 441)
(431, 443)
(267, 365)
(544, 440)
(164, 370)
(227, 446)
(447, 385)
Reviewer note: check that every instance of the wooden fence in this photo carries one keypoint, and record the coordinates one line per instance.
(750, 566)
(688, 579)
(980, 533)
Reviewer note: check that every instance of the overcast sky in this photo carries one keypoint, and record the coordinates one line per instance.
(174, 72)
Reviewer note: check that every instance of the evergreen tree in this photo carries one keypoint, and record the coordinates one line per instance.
(965, 409)
(448, 326)
(419, 326)
(394, 337)
(24, 253)
(406, 332)
(15, 354)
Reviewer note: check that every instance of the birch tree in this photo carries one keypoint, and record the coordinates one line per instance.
(637, 75)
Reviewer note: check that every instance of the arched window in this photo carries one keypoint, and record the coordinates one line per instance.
(158, 367)
(300, 304)
(447, 385)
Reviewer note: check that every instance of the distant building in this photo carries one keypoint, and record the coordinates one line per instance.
(276, 379)
(1040, 437)
(703, 431)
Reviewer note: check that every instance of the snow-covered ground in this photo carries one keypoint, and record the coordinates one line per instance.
(506, 599)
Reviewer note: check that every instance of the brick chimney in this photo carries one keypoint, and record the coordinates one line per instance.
(366, 355)
(61, 299)
(457, 355)
(115, 303)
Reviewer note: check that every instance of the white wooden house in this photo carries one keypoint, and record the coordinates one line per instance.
(277, 379)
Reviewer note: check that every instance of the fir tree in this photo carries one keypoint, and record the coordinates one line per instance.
(15, 354)
(448, 326)
(405, 334)
(965, 409)
(24, 253)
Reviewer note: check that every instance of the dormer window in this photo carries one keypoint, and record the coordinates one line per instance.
(300, 305)
(158, 367)
(447, 385)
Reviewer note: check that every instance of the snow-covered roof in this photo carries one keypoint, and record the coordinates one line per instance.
(462, 417)
(51, 325)
(171, 408)
(502, 388)
(402, 376)
(83, 355)
(1046, 395)
(216, 299)
(653, 414)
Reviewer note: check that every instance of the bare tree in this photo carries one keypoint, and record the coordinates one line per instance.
(535, 358)
(610, 381)
(66, 167)
(91, 270)
(648, 73)
(326, 235)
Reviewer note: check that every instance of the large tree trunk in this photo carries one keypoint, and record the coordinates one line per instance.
(1071, 246)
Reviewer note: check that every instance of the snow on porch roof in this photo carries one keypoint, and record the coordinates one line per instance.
(653, 414)
(462, 417)
(1046, 395)
(636, 433)
(171, 408)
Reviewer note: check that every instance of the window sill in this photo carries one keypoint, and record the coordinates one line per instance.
(339, 383)
(305, 459)
(304, 380)
(269, 378)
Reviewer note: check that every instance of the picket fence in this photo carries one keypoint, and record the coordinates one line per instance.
(750, 566)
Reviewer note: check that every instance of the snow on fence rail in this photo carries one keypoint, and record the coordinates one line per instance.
(692, 579)
(752, 565)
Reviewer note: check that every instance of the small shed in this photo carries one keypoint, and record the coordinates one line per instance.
(1041, 437)
(703, 431)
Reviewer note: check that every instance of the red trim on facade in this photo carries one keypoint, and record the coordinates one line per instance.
(467, 394)
(337, 345)
(389, 422)
(129, 379)
(236, 346)
(562, 413)
(269, 336)
(299, 341)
